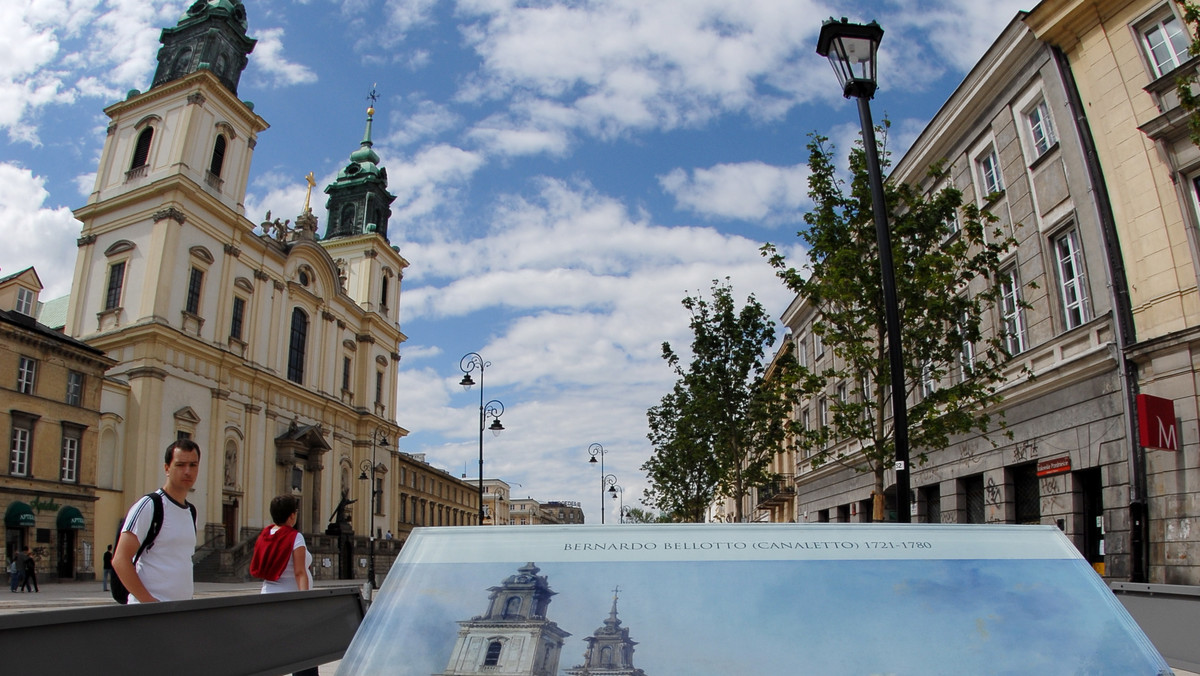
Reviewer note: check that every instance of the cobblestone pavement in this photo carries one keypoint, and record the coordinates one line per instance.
(61, 595)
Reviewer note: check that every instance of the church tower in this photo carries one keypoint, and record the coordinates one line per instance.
(513, 638)
(242, 335)
(609, 651)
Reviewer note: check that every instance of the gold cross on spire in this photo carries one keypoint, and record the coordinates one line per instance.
(312, 182)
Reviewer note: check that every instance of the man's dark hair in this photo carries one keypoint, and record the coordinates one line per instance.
(283, 506)
(185, 445)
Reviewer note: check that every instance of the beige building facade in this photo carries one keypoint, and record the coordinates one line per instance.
(1009, 136)
(1124, 57)
(51, 418)
(271, 346)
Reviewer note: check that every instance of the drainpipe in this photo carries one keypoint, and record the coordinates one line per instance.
(1123, 326)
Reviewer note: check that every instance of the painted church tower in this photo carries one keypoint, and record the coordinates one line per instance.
(609, 651)
(513, 637)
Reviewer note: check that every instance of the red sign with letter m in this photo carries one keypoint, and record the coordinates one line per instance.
(1156, 423)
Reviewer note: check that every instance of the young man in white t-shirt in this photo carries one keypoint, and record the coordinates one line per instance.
(164, 571)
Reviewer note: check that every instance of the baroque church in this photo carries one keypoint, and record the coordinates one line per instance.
(515, 637)
(274, 348)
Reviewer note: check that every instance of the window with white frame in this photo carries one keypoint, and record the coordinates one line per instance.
(195, 286)
(818, 345)
(26, 374)
(989, 172)
(802, 350)
(1041, 128)
(20, 447)
(966, 351)
(69, 472)
(74, 388)
(823, 412)
(1012, 315)
(1072, 279)
(928, 382)
(1166, 43)
(25, 301)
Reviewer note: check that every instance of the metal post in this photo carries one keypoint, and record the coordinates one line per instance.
(891, 314)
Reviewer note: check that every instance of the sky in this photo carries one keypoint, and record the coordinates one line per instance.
(566, 172)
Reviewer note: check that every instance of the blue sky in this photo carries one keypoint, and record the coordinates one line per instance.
(565, 172)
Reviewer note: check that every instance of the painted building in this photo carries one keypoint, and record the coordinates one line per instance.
(609, 649)
(51, 416)
(513, 636)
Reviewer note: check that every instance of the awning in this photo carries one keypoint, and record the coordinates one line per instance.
(19, 515)
(69, 518)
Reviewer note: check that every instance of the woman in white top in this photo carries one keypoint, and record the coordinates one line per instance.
(297, 575)
(280, 557)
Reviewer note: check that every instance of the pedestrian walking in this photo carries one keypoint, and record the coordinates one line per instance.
(281, 558)
(107, 566)
(30, 572)
(15, 572)
(162, 572)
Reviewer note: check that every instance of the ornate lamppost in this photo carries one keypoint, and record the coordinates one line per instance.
(597, 451)
(852, 49)
(368, 469)
(492, 409)
(616, 490)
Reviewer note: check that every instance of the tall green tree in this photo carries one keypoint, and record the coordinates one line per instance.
(941, 248)
(1188, 99)
(717, 430)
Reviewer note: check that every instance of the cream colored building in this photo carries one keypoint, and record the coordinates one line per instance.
(273, 348)
(1124, 56)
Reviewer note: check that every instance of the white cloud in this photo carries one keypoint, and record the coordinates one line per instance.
(749, 191)
(271, 67)
(33, 235)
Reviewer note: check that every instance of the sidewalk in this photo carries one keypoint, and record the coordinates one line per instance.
(62, 595)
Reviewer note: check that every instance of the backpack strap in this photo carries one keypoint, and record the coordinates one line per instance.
(156, 522)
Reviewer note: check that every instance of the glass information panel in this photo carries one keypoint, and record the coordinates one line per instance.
(721, 600)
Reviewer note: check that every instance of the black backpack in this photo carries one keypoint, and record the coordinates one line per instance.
(119, 593)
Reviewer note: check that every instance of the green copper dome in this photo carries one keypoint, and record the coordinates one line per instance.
(204, 8)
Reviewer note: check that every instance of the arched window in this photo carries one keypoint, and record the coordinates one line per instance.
(347, 220)
(606, 656)
(296, 347)
(383, 294)
(218, 156)
(141, 151)
(493, 654)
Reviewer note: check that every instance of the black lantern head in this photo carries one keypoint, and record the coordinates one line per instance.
(851, 48)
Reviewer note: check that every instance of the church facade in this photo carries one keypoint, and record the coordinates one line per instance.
(273, 348)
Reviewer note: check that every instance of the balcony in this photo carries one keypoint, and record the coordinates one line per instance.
(777, 493)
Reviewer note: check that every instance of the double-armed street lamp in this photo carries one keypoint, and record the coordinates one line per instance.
(368, 469)
(852, 49)
(492, 409)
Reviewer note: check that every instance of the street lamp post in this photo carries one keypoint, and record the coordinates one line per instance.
(852, 49)
(615, 490)
(493, 409)
(596, 450)
(608, 481)
(368, 469)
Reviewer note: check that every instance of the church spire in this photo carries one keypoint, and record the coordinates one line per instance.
(211, 35)
(610, 650)
(359, 201)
